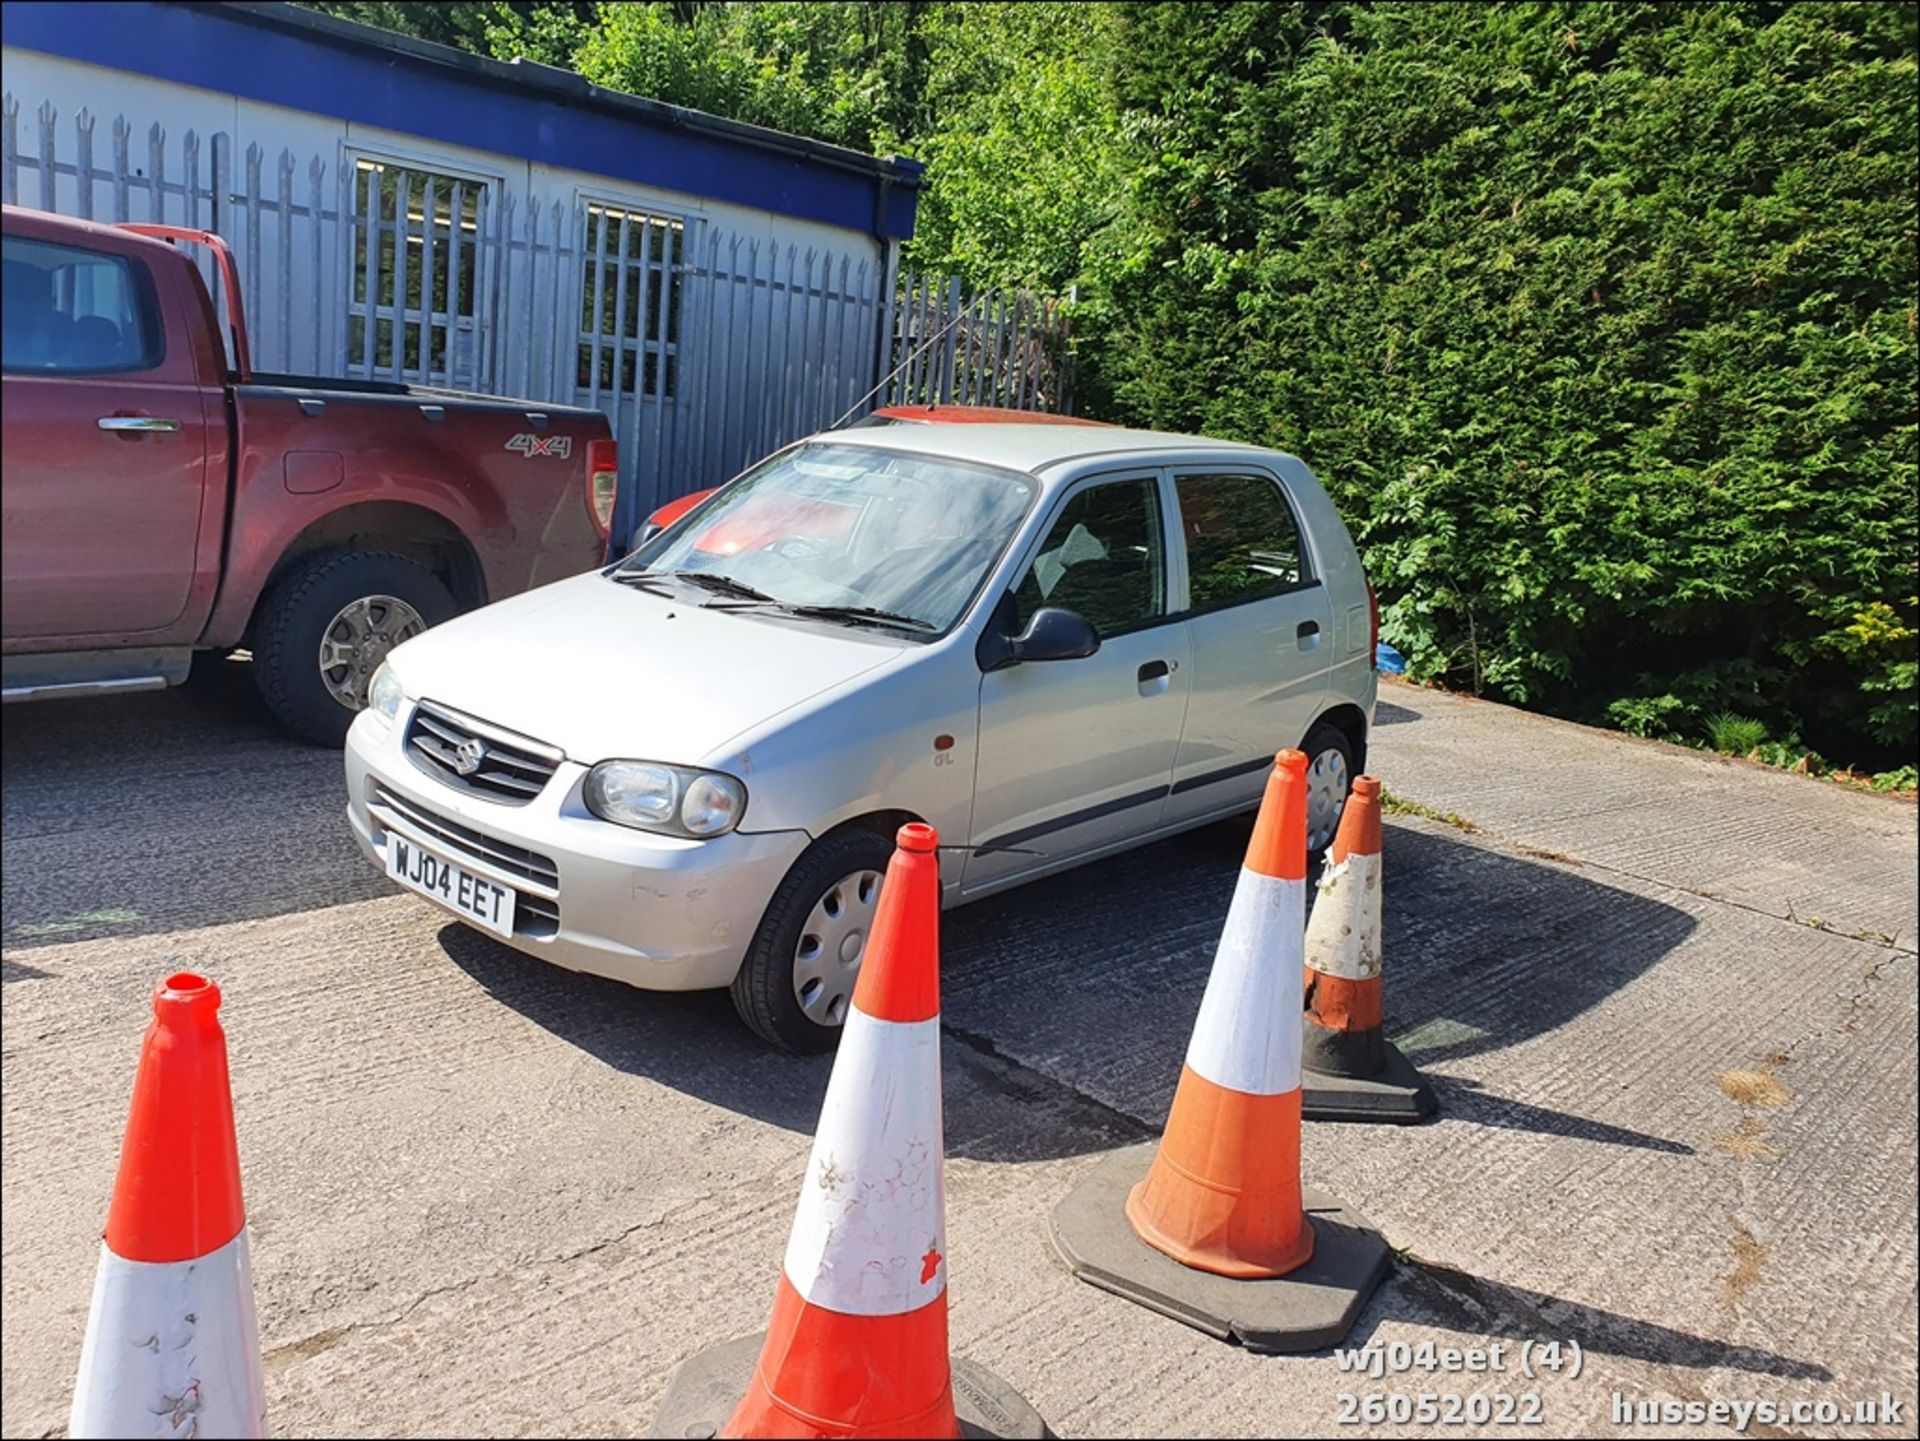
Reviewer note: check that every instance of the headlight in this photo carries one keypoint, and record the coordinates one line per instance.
(673, 799)
(384, 694)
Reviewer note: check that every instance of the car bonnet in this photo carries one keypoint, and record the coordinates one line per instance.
(602, 670)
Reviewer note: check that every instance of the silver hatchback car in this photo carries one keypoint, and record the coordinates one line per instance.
(1053, 643)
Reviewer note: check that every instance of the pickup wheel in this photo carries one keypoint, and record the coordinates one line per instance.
(796, 985)
(324, 627)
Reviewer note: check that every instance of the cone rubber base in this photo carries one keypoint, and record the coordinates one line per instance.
(1305, 1310)
(704, 1391)
(1399, 1095)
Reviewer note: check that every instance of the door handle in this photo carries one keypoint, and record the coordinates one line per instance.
(1154, 677)
(1308, 633)
(141, 424)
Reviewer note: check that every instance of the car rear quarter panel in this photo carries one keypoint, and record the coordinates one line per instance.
(1338, 563)
(524, 516)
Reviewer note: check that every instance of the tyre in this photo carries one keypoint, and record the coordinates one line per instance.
(1329, 780)
(796, 985)
(324, 627)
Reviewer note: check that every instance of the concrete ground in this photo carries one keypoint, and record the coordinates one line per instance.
(1668, 1001)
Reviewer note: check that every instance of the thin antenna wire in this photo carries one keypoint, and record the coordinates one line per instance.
(912, 356)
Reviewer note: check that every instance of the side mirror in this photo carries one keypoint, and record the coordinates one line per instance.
(1055, 633)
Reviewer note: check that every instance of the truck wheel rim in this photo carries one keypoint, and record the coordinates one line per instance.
(1326, 796)
(826, 960)
(358, 639)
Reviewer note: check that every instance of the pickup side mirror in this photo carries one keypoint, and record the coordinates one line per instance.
(1054, 633)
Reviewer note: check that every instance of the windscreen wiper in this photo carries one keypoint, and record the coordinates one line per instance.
(723, 584)
(642, 580)
(862, 615)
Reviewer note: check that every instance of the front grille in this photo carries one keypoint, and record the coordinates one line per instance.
(464, 841)
(536, 914)
(510, 769)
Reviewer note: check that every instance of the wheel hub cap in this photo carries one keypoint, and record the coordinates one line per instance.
(1326, 796)
(826, 962)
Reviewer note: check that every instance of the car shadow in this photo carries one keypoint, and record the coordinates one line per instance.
(1386, 713)
(1094, 978)
(1068, 1003)
(694, 1043)
(166, 811)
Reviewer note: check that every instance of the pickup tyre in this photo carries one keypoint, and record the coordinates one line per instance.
(325, 626)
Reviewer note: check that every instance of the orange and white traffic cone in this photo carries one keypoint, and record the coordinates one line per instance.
(172, 1348)
(1353, 1073)
(1219, 1232)
(858, 1342)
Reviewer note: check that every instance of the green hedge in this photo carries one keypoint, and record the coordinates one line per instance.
(1599, 321)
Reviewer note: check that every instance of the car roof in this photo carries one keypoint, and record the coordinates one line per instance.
(982, 415)
(1030, 448)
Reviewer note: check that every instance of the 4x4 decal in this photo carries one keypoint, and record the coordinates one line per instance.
(530, 445)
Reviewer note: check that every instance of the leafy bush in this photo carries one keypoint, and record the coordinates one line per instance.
(1790, 755)
(1735, 735)
(1599, 321)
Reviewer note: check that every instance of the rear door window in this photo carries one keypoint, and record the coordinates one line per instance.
(1243, 543)
(72, 311)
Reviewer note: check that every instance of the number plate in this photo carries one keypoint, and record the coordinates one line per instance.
(472, 898)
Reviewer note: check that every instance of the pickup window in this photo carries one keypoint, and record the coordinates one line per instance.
(71, 311)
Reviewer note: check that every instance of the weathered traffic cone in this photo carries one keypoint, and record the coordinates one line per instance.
(1219, 1232)
(858, 1341)
(172, 1347)
(1353, 1072)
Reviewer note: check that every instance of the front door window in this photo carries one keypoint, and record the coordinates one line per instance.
(1103, 558)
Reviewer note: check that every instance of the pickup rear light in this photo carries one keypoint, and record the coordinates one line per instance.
(1373, 637)
(603, 483)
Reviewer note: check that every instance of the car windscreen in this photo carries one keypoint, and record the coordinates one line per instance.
(851, 528)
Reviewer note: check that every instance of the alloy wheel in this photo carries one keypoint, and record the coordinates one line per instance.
(358, 638)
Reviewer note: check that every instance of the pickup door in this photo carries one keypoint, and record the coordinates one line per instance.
(105, 480)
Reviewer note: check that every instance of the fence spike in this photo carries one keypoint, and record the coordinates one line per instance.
(9, 149)
(49, 152)
(83, 161)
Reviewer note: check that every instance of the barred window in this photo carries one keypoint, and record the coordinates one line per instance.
(630, 303)
(414, 297)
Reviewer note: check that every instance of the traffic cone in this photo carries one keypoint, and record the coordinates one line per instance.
(1353, 1073)
(858, 1341)
(172, 1348)
(1219, 1231)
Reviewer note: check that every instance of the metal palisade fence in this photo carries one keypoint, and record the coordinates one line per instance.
(985, 347)
(705, 348)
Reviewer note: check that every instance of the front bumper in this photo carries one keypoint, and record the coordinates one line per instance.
(654, 911)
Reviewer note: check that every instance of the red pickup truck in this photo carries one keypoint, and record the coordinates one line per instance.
(161, 497)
